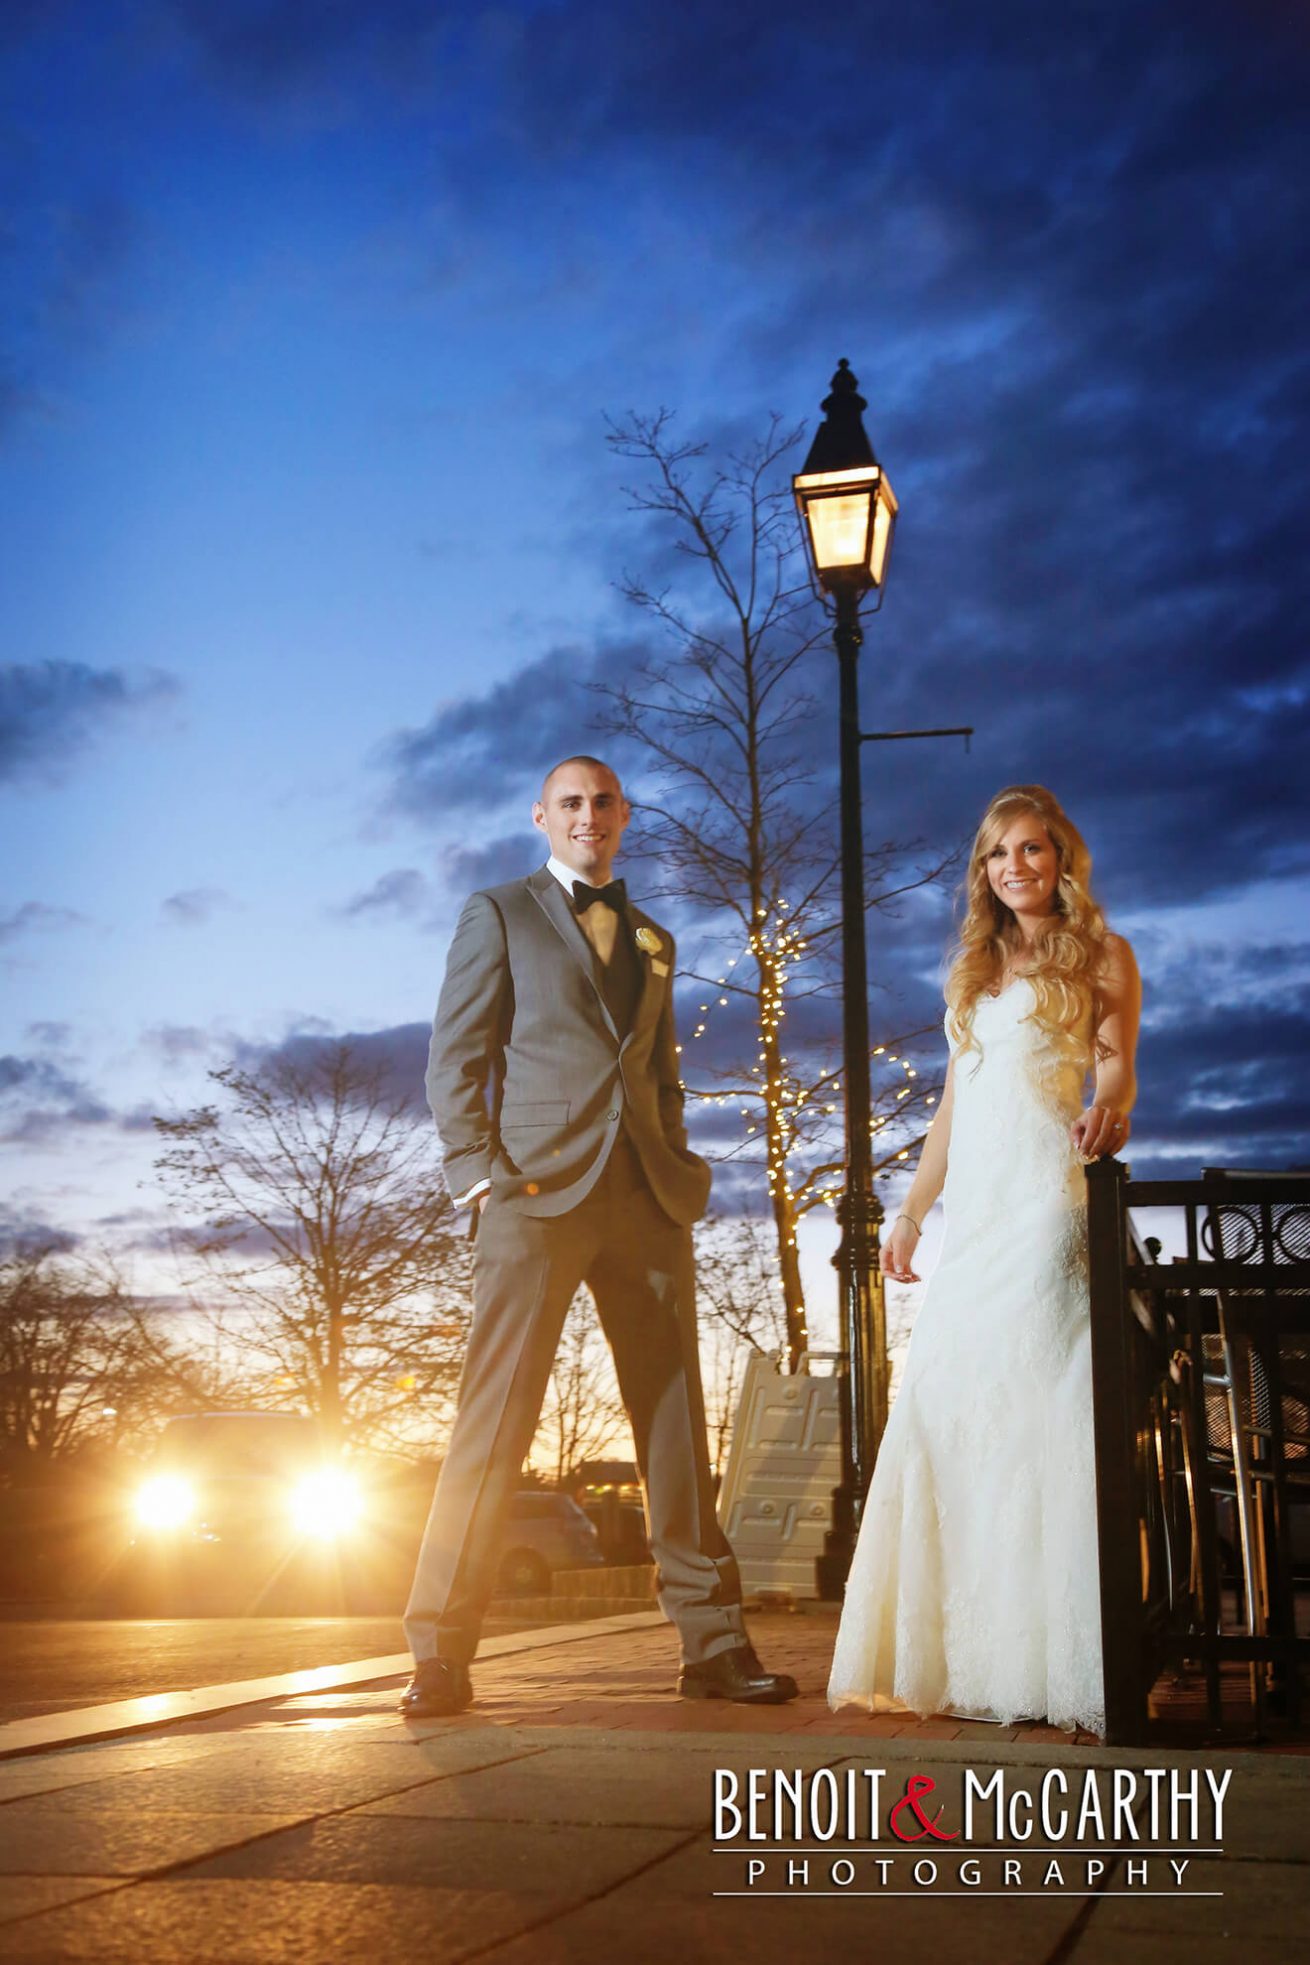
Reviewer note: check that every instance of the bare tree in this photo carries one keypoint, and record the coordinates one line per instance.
(740, 1309)
(583, 1412)
(740, 821)
(314, 1203)
(79, 1366)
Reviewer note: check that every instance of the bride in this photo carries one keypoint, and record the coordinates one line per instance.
(974, 1586)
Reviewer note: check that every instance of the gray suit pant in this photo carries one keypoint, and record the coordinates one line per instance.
(526, 1271)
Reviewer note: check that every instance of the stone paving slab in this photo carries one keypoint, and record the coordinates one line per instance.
(210, 1787)
(35, 1841)
(295, 1784)
(581, 1785)
(549, 1863)
(1103, 1947)
(1262, 1904)
(775, 1931)
(270, 1922)
(702, 1868)
(41, 1773)
(24, 1896)
(1267, 1820)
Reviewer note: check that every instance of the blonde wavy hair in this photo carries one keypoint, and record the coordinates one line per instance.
(1070, 947)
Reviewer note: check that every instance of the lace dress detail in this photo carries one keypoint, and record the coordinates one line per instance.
(974, 1586)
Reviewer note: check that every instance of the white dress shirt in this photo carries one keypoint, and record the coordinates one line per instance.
(565, 875)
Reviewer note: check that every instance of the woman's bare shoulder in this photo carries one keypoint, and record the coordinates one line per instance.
(1117, 962)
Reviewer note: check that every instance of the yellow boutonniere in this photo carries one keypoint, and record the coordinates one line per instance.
(648, 941)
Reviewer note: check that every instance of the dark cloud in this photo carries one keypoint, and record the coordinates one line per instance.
(66, 256)
(1063, 252)
(469, 868)
(52, 1036)
(1225, 1058)
(398, 1054)
(37, 1075)
(194, 905)
(180, 1043)
(25, 1232)
(479, 751)
(271, 46)
(996, 102)
(146, 1231)
(492, 749)
(50, 710)
(41, 1103)
(37, 917)
(40, 1099)
(19, 18)
(139, 1118)
(403, 892)
(94, 244)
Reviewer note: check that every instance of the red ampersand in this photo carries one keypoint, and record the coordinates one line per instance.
(916, 1786)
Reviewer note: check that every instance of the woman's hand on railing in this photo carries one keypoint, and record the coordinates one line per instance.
(1101, 1129)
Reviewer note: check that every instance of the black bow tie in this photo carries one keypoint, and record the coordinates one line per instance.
(615, 896)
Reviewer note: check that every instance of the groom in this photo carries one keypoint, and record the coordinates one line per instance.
(553, 1078)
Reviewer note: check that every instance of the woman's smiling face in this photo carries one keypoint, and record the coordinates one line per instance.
(1024, 868)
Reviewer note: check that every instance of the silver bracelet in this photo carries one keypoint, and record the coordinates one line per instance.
(917, 1226)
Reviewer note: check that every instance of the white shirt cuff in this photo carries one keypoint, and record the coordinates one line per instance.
(465, 1200)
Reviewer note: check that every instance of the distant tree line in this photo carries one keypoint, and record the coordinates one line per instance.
(322, 1268)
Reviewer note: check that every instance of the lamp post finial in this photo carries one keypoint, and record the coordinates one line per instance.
(844, 383)
(841, 440)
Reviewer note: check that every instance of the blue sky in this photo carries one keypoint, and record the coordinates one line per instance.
(312, 317)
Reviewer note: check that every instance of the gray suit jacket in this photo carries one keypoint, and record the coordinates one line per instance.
(528, 1078)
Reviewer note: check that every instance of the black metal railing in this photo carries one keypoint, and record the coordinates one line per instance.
(1201, 1390)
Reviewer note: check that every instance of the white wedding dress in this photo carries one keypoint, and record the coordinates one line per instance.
(974, 1586)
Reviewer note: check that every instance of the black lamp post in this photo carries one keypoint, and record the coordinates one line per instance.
(848, 512)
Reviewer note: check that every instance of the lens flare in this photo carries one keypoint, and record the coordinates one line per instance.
(327, 1503)
(165, 1502)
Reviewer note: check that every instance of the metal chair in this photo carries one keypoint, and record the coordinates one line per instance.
(1257, 1407)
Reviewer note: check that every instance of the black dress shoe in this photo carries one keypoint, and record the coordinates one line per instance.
(439, 1687)
(736, 1675)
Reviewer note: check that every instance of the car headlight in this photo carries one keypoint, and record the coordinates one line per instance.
(165, 1502)
(326, 1503)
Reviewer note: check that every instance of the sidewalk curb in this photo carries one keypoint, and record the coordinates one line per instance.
(86, 1724)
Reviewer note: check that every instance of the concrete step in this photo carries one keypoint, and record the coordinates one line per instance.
(634, 1582)
(567, 1610)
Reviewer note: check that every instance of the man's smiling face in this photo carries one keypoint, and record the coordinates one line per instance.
(582, 812)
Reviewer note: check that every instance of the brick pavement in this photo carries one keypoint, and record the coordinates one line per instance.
(627, 1685)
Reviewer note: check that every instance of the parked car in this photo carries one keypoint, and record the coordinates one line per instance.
(545, 1532)
(238, 1507)
(621, 1526)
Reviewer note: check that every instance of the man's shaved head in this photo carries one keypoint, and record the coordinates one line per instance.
(592, 763)
(582, 812)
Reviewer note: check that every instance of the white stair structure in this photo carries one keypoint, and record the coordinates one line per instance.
(775, 1504)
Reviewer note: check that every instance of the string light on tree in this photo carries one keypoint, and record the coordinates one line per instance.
(776, 948)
